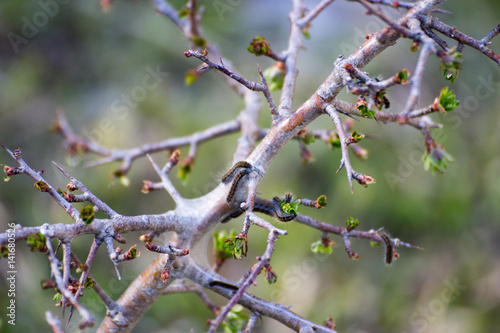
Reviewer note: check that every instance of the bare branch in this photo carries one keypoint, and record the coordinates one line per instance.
(54, 322)
(400, 4)
(489, 36)
(167, 184)
(343, 144)
(87, 320)
(42, 184)
(88, 195)
(254, 86)
(310, 16)
(462, 38)
(291, 72)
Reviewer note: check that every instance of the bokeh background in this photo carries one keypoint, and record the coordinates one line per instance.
(82, 60)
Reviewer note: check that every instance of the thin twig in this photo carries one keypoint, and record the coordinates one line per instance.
(489, 36)
(310, 16)
(43, 185)
(87, 320)
(462, 38)
(256, 269)
(291, 72)
(400, 4)
(167, 184)
(89, 196)
(252, 322)
(254, 86)
(343, 145)
(429, 47)
(272, 107)
(54, 322)
(402, 30)
(107, 301)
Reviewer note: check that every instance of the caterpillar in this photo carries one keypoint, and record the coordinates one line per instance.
(241, 164)
(275, 209)
(234, 184)
(389, 255)
(222, 284)
(271, 208)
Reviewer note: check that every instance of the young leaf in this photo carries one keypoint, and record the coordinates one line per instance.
(275, 76)
(319, 247)
(351, 223)
(289, 208)
(436, 159)
(447, 100)
(235, 320)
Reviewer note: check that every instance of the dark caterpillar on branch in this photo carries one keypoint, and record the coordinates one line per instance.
(389, 254)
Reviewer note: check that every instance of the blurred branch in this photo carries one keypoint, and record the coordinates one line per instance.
(452, 32)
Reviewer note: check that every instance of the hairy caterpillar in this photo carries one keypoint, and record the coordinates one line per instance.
(389, 256)
(234, 184)
(275, 209)
(271, 208)
(241, 164)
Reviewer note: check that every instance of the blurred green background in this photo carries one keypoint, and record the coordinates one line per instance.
(82, 60)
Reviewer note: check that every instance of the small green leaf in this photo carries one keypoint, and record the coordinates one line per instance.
(87, 214)
(356, 137)
(57, 297)
(235, 320)
(237, 247)
(89, 283)
(447, 100)
(451, 64)
(436, 159)
(321, 201)
(184, 171)
(190, 77)
(334, 141)
(119, 176)
(319, 247)
(274, 76)
(308, 138)
(221, 250)
(37, 242)
(289, 208)
(199, 41)
(367, 113)
(374, 244)
(183, 12)
(403, 76)
(351, 223)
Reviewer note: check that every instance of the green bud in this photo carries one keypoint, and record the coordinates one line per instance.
(87, 214)
(351, 223)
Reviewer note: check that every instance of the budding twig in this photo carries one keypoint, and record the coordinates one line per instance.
(87, 320)
(256, 269)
